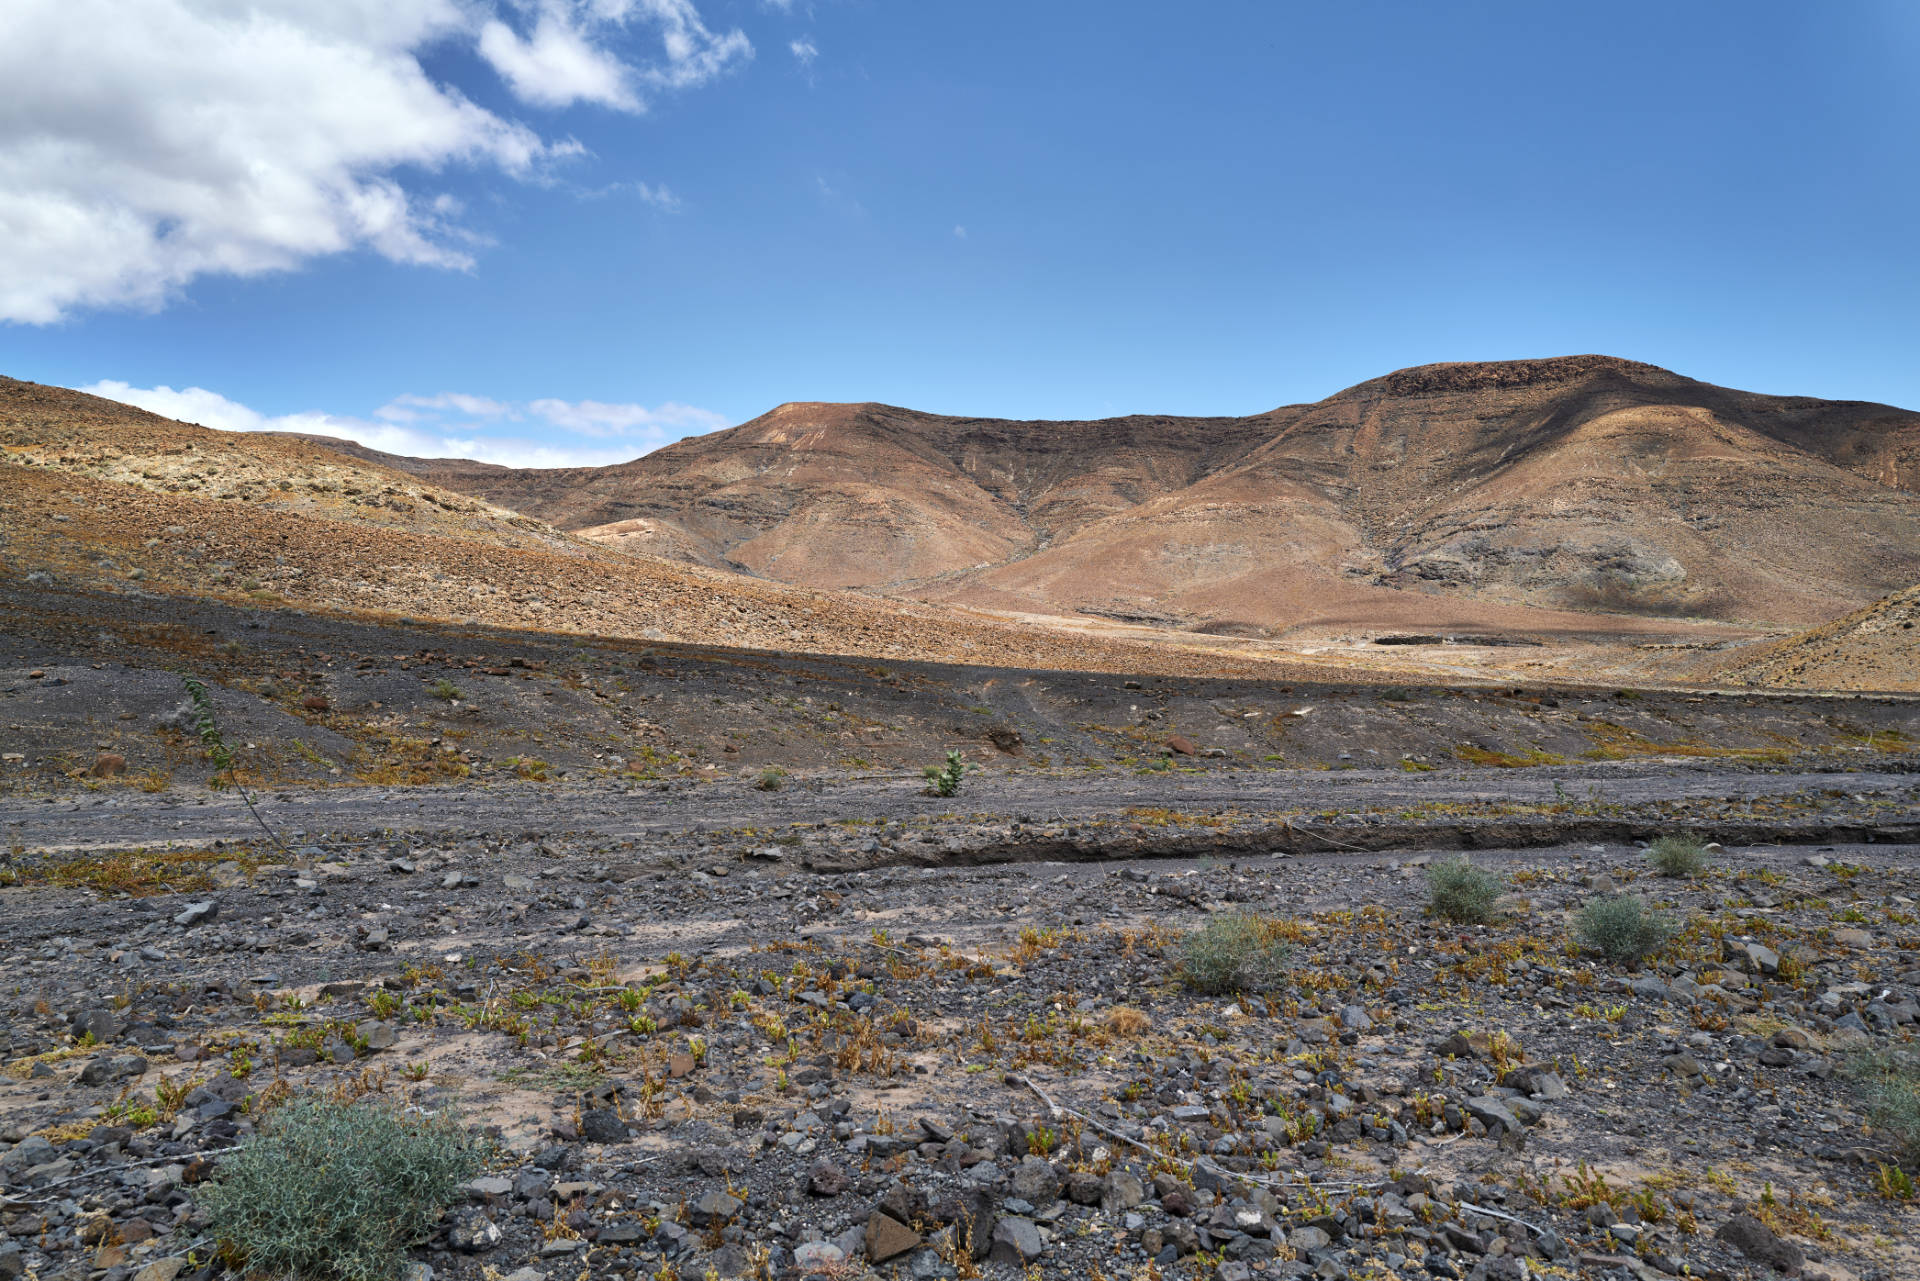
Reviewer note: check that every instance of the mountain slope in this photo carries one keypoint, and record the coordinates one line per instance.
(1575, 484)
(1876, 648)
(101, 496)
(870, 495)
(1598, 489)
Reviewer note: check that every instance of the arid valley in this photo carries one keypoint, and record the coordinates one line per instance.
(864, 843)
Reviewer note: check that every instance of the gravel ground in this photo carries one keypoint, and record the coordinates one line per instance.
(737, 1064)
(734, 997)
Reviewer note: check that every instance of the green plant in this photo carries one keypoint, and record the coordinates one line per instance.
(1242, 952)
(1622, 929)
(339, 1190)
(1894, 1183)
(445, 690)
(207, 727)
(1889, 1084)
(1459, 891)
(944, 780)
(771, 779)
(218, 751)
(1678, 855)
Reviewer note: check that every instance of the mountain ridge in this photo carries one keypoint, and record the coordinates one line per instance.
(1587, 483)
(1580, 501)
(107, 498)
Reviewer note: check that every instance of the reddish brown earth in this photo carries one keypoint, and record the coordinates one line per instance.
(101, 496)
(1558, 496)
(1623, 514)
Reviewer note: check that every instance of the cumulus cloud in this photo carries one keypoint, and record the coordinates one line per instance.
(557, 64)
(448, 424)
(805, 50)
(143, 146)
(188, 405)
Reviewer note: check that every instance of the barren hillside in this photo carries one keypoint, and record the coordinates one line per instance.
(1602, 490)
(1876, 648)
(100, 495)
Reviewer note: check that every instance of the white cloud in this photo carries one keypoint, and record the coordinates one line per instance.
(563, 59)
(406, 408)
(805, 50)
(658, 196)
(530, 453)
(596, 418)
(145, 145)
(557, 65)
(444, 426)
(188, 405)
(694, 54)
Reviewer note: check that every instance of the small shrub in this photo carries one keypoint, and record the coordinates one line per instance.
(1459, 891)
(1889, 1084)
(771, 779)
(528, 768)
(1894, 1183)
(339, 1190)
(944, 780)
(1243, 952)
(445, 690)
(1679, 855)
(1622, 929)
(207, 726)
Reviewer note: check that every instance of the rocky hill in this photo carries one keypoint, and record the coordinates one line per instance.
(1460, 495)
(1876, 648)
(101, 496)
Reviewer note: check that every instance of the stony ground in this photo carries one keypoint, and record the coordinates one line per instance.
(312, 698)
(736, 1065)
(772, 1010)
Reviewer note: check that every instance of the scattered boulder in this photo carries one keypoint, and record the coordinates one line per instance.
(602, 1125)
(103, 1025)
(203, 913)
(375, 1034)
(827, 1179)
(1759, 1243)
(473, 1233)
(714, 1207)
(888, 1238)
(819, 1256)
(1016, 1242)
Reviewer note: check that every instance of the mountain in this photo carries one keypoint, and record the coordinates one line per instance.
(103, 497)
(1580, 492)
(1876, 648)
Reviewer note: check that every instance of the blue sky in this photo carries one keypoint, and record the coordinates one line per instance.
(560, 230)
